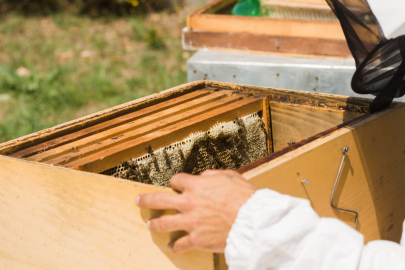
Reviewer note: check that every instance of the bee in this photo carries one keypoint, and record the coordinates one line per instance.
(144, 174)
(291, 142)
(213, 163)
(204, 142)
(166, 157)
(124, 175)
(195, 171)
(125, 164)
(149, 150)
(242, 129)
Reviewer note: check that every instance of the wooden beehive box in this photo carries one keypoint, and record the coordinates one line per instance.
(212, 26)
(58, 212)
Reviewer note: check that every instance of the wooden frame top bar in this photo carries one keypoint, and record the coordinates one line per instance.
(329, 102)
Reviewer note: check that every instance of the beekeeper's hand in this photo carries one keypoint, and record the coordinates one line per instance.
(207, 207)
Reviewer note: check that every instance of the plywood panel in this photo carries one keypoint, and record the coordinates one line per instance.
(139, 126)
(372, 180)
(55, 218)
(294, 123)
(96, 118)
(193, 40)
(266, 26)
(63, 140)
(113, 156)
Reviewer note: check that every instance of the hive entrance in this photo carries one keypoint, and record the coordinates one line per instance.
(229, 145)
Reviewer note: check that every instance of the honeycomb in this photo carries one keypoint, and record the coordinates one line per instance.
(228, 145)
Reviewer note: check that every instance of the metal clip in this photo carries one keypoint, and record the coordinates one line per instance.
(345, 150)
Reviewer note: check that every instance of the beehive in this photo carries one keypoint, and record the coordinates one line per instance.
(60, 212)
(299, 29)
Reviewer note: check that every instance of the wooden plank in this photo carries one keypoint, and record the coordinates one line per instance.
(144, 131)
(109, 124)
(266, 26)
(310, 99)
(326, 101)
(193, 40)
(316, 4)
(111, 157)
(153, 120)
(267, 124)
(372, 176)
(294, 123)
(56, 218)
(96, 118)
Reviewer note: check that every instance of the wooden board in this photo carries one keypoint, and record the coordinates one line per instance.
(294, 123)
(30, 140)
(211, 27)
(111, 157)
(194, 40)
(344, 104)
(56, 218)
(74, 136)
(372, 178)
(265, 26)
(137, 128)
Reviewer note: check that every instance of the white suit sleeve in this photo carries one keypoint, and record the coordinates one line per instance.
(274, 231)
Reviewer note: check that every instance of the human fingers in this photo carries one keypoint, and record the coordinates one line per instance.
(181, 181)
(168, 223)
(181, 245)
(157, 200)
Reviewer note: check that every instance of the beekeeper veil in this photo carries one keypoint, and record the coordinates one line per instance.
(375, 33)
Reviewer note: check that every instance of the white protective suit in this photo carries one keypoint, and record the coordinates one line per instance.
(274, 231)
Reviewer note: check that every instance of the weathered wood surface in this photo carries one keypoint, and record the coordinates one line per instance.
(143, 125)
(85, 124)
(194, 40)
(126, 139)
(56, 218)
(63, 140)
(267, 124)
(294, 123)
(96, 118)
(317, 100)
(111, 157)
(372, 181)
(265, 26)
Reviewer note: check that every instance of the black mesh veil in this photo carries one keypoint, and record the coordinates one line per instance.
(380, 65)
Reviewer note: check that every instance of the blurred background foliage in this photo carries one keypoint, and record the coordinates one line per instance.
(64, 59)
(93, 8)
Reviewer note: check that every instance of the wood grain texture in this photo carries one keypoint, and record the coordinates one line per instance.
(372, 176)
(326, 101)
(266, 26)
(96, 118)
(294, 123)
(140, 134)
(277, 95)
(111, 157)
(267, 124)
(140, 126)
(193, 40)
(55, 218)
(63, 140)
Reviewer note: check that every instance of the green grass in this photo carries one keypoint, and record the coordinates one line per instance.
(79, 65)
